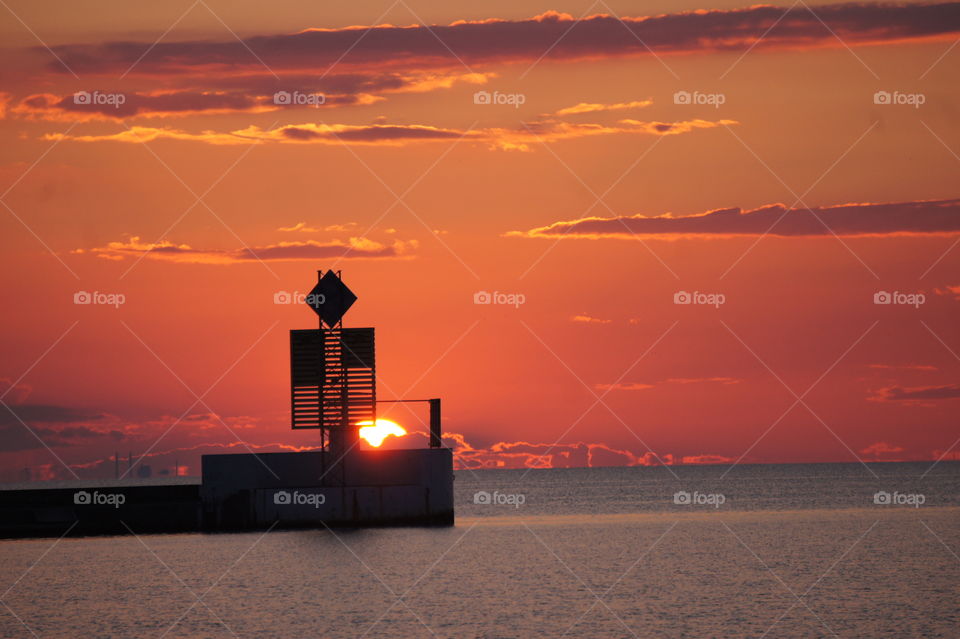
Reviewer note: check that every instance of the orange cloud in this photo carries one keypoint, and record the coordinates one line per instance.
(590, 107)
(244, 94)
(923, 217)
(586, 319)
(917, 393)
(524, 454)
(396, 134)
(502, 41)
(298, 227)
(632, 386)
(706, 459)
(355, 248)
(376, 134)
(880, 449)
(303, 227)
(908, 367)
(949, 291)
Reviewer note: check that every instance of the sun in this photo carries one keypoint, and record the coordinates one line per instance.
(375, 434)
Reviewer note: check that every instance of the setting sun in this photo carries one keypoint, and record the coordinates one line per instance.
(375, 434)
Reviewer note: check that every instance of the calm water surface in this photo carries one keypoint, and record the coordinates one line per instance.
(775, 551)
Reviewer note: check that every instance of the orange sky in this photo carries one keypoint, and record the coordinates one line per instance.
(586, 192)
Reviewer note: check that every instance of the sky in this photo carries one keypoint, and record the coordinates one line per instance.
(604, 234)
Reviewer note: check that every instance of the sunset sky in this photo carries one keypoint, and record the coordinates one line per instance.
(591, 164)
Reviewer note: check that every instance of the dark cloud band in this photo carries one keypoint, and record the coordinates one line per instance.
(494, 41)
(862, 219)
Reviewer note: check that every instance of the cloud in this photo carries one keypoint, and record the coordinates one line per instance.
(368, 134)
(700, 380)
(879, 449)
(303, 227)
(949, 291)
(397, 134)
(18, 393)
(298, 227)
(161, 462)
(706, 459)
(354, 248)
(905, 367)
(586, 319)
(589, 107)
(629, 386)
(349, 226)
(55, 426)
(917, 393)
(247, 93)
(5, 99)
(859, 219)
(504, 41)
(376, 134)
(634, 386)
(524, 454)
(47, 106)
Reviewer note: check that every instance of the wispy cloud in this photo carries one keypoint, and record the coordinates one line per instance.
(881, 449)
(593, 107)
(524, 454)
(634, 386)
(242, 94)
(905, 367)
(522, 139)
(354, 248)
(587, 319)
(303, 227)
(858, 219)
(917, 393)
(504, 41)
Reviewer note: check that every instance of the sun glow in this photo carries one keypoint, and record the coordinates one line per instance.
(374, 434)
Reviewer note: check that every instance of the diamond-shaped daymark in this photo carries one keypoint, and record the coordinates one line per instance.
(330, 299)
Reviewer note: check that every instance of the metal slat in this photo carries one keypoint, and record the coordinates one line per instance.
(333, 377)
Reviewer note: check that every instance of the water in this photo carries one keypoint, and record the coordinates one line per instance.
(793, 551)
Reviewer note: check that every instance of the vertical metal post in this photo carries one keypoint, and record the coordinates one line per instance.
(435, 428)
(321, 380)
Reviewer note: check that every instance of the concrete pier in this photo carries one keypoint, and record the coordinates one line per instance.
(99, 508)
(247, 492)
(364, 488)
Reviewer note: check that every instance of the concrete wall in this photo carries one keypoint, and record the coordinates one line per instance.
(114, 509)
(377, 487)
(239, 492)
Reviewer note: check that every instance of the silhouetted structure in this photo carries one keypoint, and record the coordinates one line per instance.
(333, 386)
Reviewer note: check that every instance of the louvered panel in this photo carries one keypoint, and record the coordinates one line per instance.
(333, 377)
